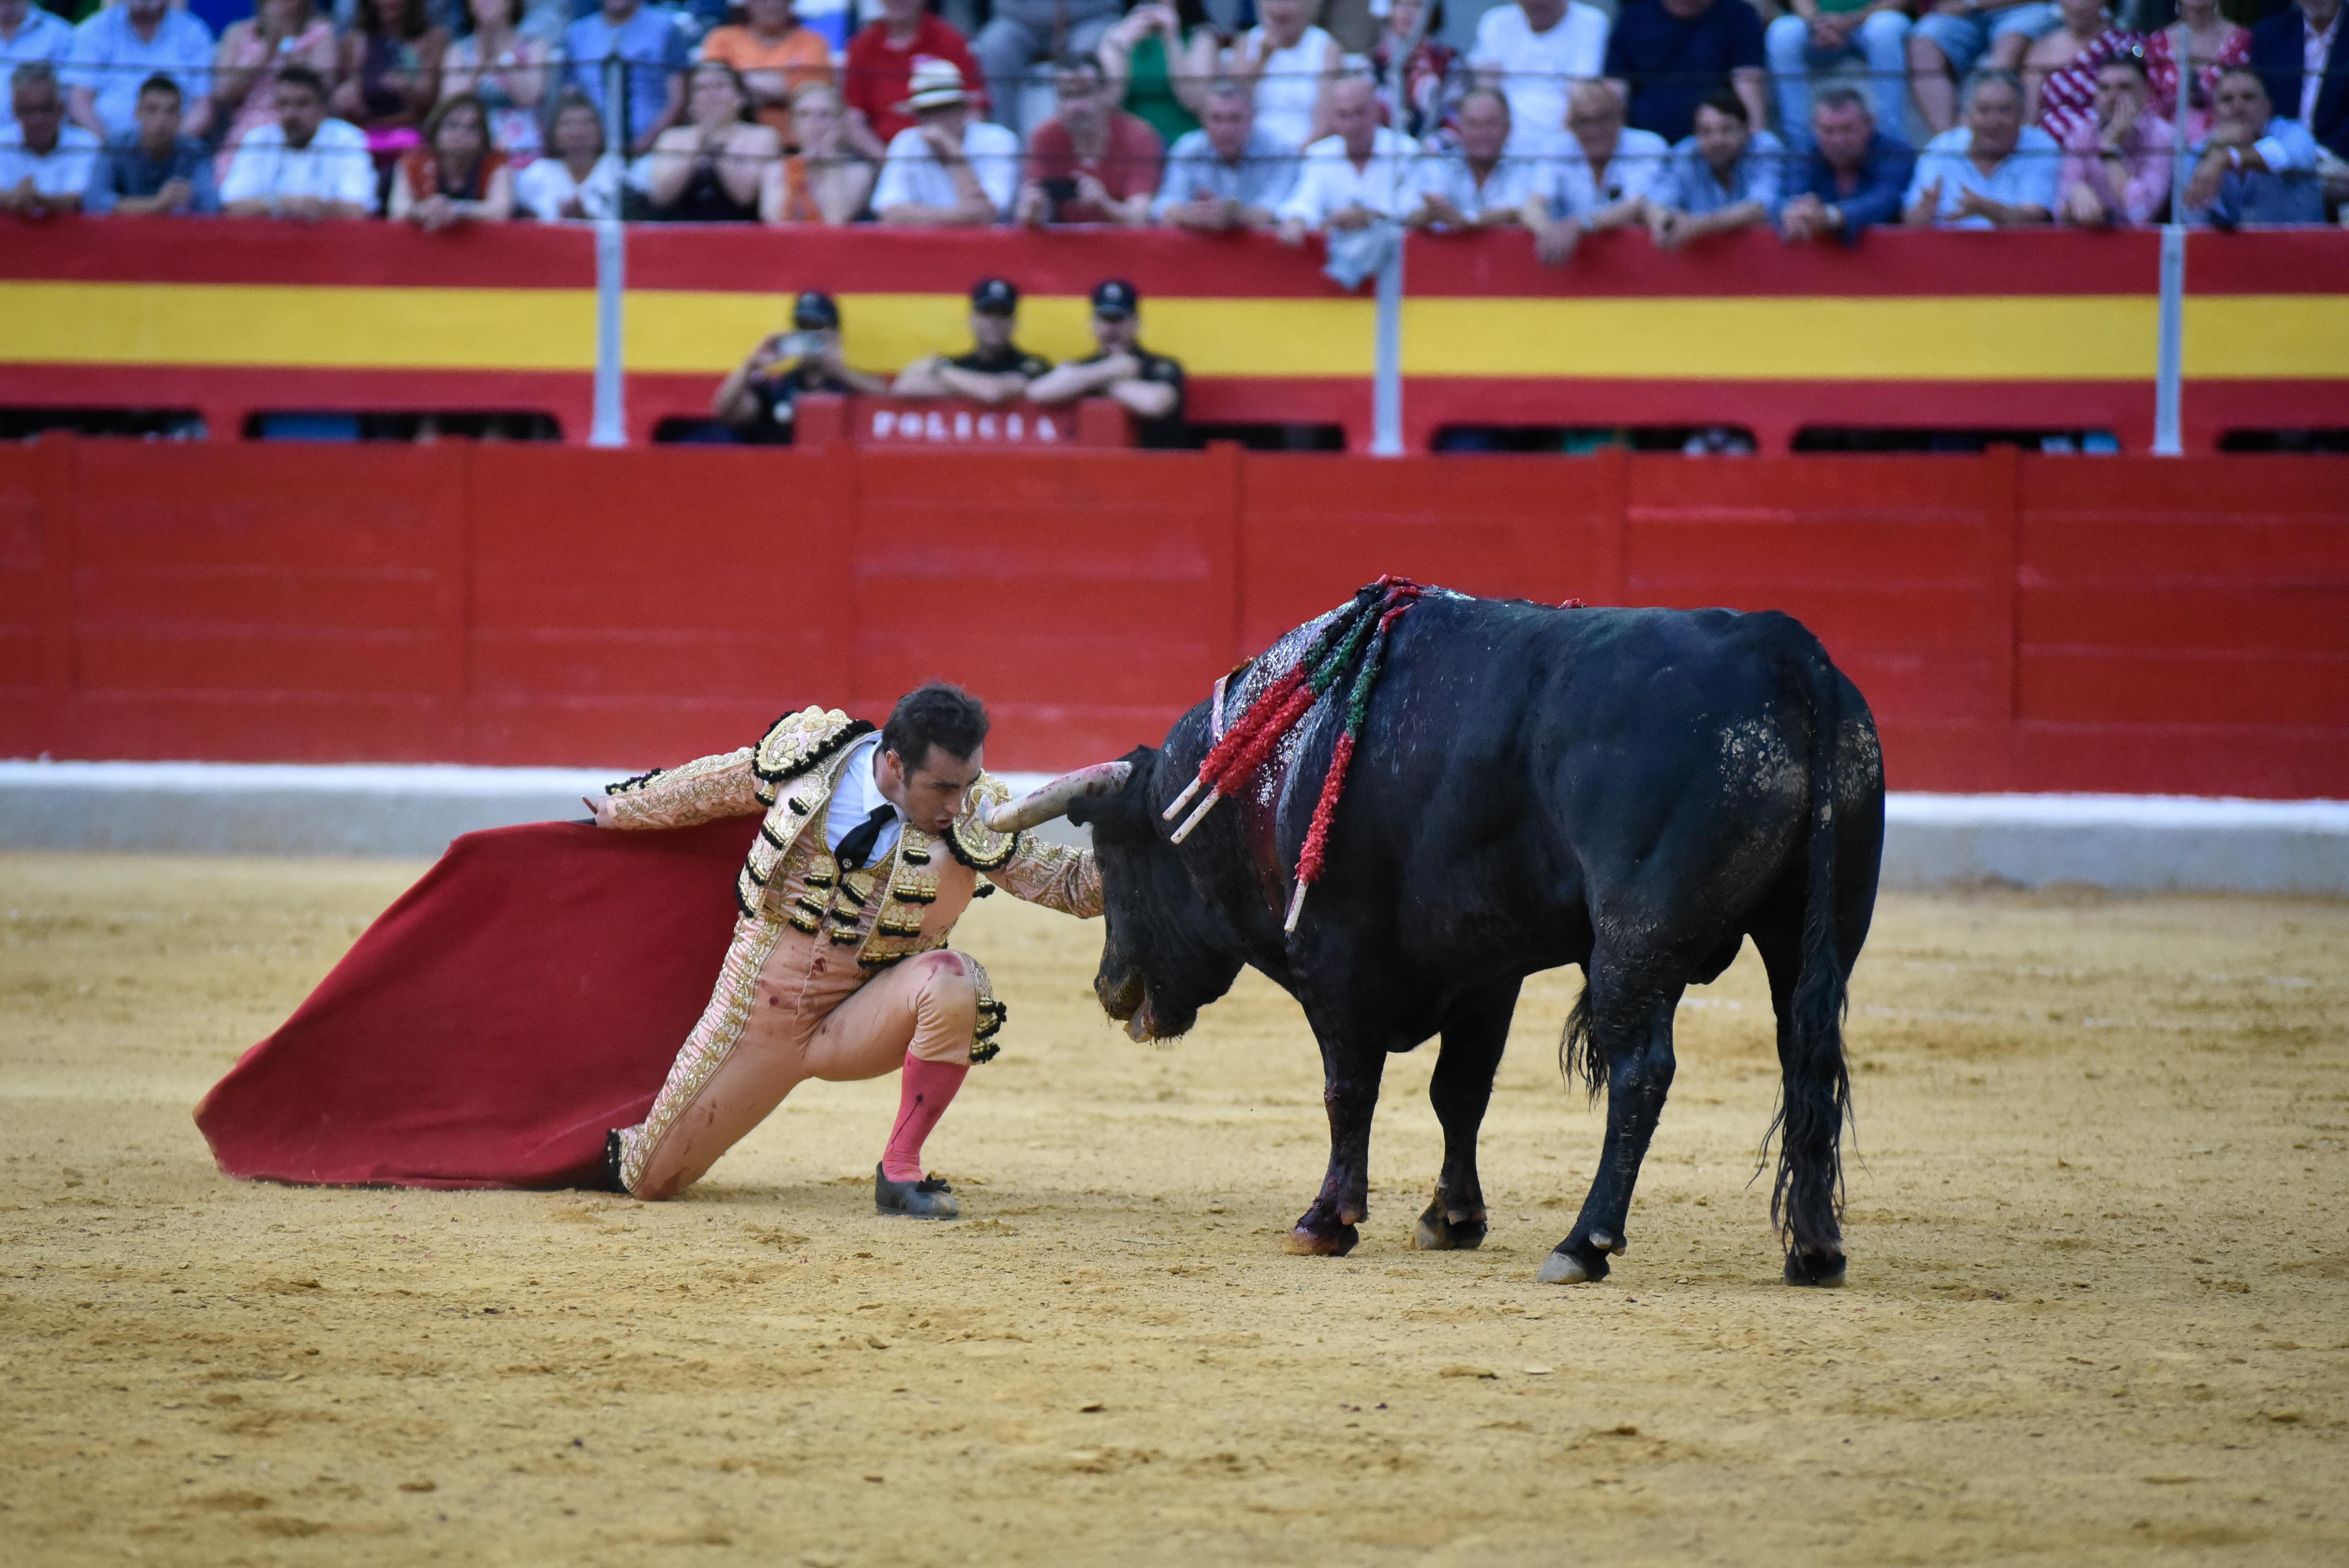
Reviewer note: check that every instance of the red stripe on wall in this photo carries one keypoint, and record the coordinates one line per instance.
(347, 254)
(867, 259)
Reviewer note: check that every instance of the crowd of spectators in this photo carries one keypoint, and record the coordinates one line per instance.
(1337, 118)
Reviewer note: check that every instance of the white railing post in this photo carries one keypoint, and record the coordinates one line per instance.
(2169, 355)
(1386, 367)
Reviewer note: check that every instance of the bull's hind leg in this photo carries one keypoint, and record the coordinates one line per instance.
(1805, 1195)
(1475, 1032)
(1627, 1019)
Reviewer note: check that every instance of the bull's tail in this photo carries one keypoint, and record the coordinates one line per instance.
(1806, 1200)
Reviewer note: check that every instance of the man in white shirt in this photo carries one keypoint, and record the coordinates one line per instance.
(29, 36)
(305, 166)
(1352, 179)
(949, 167)
(1483, 184)
(1600, 180)
(120, 47)
(1535, 51)
(45, 163)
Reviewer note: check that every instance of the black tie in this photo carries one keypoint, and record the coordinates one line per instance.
(857, 848)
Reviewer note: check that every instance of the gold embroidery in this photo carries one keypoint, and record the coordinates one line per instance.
(707, 1049)
(984, 1046)
(975, 843)
(796, 742)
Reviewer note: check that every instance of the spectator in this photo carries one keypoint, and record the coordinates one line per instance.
(305, 166)
(45, 163)
(2213, 43)
(996, 370)
(650, 57)
(1824, 34)
(2117, 166)
(1159, 61)
(2059, 71)
(2305, 70)
(1227, 174)
(390, 76)
(1288, 63)
(1091, 162)
(1599, 179)
(1852, 178)
(1481, 184)
(949, 167)
(1149, 386)
(160, 169)
(758, 397)
(774, 56)
(120, 47)
(29, 35)
(1431, 88)
(1723, 177)
(507, 68)
(1672, 55)
(1360, 173)
(720, 166)
(1991, 172)
(2256, 167)
(578, 179)
(882, 61)
(827, 181)
(1952, 35)
(456, 175)
(1022, 32)
(1535, 51)
(244, 71)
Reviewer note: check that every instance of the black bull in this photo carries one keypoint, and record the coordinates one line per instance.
(1634, 792)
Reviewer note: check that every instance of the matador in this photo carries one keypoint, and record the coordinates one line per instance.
(872, 844)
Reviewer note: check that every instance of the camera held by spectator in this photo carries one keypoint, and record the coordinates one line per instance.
(758, 397)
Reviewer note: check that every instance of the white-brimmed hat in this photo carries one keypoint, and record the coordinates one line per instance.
(934, 83)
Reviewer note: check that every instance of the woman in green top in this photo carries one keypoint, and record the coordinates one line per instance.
(1160, 61)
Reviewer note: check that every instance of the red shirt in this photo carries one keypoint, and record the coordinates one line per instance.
(1129, 164)
(879, 74)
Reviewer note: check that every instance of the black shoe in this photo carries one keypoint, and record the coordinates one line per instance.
(929, 1198)
(612, 1181)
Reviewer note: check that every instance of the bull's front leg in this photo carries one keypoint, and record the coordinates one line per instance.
(1351, 1092)
(1631, 1035)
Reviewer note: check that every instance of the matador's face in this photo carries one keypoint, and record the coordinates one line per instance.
(933, 792)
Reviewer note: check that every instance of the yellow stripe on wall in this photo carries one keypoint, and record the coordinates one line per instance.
(1954, 338)
(679, 332)
(298, 325)
(2018, 338)
(2263, 337)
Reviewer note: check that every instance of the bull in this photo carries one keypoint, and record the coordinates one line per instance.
(1632, 792)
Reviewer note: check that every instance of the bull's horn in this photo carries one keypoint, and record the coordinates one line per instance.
(1054, 799)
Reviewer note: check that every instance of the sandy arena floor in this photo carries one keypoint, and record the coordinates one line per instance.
(2097, 1314)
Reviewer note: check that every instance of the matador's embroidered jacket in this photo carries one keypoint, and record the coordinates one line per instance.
(907, 902)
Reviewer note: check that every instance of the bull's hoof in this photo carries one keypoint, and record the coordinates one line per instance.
(1320, 1240)
(1821, 1270)
(1438, 1232)
(1564, 1267)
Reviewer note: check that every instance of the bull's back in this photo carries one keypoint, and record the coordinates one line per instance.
(1554, 750)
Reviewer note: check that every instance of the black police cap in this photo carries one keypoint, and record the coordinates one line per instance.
(815, 311)
(1116, 296)
(993, 296)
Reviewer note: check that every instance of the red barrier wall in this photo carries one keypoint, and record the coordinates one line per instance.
(2017, 622)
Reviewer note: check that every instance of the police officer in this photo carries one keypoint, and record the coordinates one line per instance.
(996, 370)
(757, 397)
(1150, 384)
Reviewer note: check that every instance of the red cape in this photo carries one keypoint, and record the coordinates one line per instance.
(524, 997)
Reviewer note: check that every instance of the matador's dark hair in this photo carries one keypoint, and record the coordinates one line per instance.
(936, 715)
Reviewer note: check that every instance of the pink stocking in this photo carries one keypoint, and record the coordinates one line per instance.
(929, 1089)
